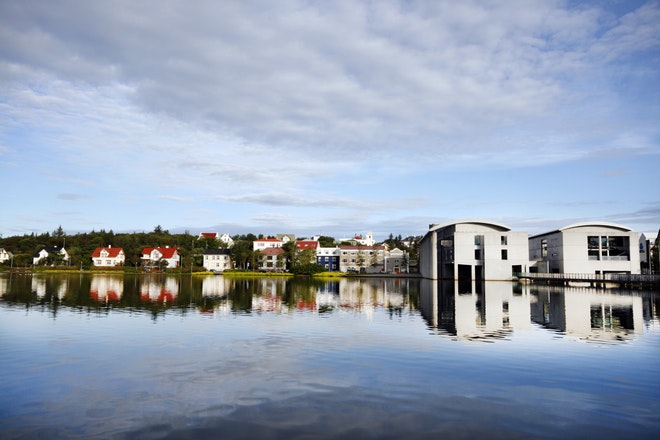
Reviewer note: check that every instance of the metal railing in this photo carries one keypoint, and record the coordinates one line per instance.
(625, 278)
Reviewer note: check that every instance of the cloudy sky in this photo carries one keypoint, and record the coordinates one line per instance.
(334, 118)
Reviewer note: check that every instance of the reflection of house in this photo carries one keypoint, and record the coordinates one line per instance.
(154, 257)
(589, 248)
(43, 255)
(5, 255)
(160, 291)
(472, 250)
(587, 314)
(106, 288)
(107, 257)
(217, 260)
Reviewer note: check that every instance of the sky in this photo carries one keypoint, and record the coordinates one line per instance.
(331, 118)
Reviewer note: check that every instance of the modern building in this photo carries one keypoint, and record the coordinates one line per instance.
(217, 260)
(586, 248)
(473, 249)
(108, 257)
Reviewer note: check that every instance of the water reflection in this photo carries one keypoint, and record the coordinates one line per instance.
(493, 310)
(158, 293)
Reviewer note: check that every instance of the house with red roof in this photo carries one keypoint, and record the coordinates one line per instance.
(153, 257)
(108, 257)
(272, 258)
(265, 243)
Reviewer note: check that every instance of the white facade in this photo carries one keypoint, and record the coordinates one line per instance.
(473, 249)
(44, 252)
(586, 248)
(5, 255)
(217, 260)
(266, 243)
(361, 258)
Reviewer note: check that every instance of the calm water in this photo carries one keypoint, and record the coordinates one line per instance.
(163, 357)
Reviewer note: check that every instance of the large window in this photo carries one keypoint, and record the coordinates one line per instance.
(608, 247)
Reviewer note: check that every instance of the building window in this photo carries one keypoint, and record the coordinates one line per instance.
(544, 248)
(503, 240)
(478, 240)
(477, 254)
(505, 254)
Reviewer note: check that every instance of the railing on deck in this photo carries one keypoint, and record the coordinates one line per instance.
(620, 278)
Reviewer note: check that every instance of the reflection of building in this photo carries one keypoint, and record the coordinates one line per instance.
(473, 250)
(491, 312)
(215, 286)
(587, 314)
(106, 288)
(588, 248)
(159, 289)
(41, 287)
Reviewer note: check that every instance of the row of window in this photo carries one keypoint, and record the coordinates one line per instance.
(479, 240)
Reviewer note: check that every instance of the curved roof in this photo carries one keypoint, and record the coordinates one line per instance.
(600, 224)
(474, 221)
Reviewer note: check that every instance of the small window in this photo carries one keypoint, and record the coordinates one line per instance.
(505, 254)
(477, 254)
(503, 240)
(478, 240)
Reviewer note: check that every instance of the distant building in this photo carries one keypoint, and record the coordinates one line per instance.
(217, 260)
(108, 257)
(366, 240)
(265, 243)
(271, 258)
(328, 257)
(366, 259)
(472, 250)
(42, 255)
(5, 255)
(589, 248)
(224, 238)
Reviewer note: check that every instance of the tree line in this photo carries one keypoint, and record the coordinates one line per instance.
(80, 247)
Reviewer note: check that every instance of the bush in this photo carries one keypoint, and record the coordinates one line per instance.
(307, 269)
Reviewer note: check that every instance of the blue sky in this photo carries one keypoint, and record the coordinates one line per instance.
(328, 118)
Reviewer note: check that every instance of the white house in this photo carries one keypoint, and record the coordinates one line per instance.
(366, 240)
(5, 255)
(588, 248)
(217, 260)
(473, 250)
(108, 257)
(153, 256)
(40, 256)
(265, 243)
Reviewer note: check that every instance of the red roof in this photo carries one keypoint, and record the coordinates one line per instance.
(362, 248)
(112, 252)
(166, 252)
(270, 239)
(209, 234)
(308, 244)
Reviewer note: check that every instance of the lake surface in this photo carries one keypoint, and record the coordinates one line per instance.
(152, 356)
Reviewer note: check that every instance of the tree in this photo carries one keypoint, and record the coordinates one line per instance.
(325, 241)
